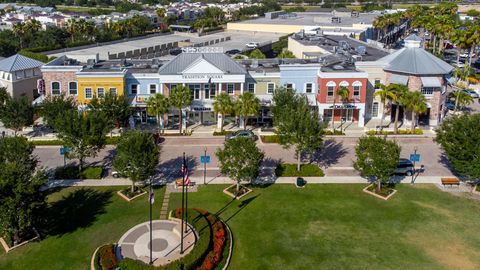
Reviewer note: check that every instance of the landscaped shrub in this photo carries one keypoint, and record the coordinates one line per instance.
(72, 172)
(223, 133)
(305, 170)
(37, 56)
(269, 139)
(106, 257)
(109, 141)
(337, 132)
(400, 132)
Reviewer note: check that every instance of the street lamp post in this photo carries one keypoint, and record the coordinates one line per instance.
(205, 166)
(151, 200)
(415, 148)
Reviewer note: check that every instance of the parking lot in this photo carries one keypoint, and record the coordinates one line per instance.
(238, 40)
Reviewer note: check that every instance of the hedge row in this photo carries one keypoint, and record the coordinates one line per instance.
(305, 170)
(109, 141)
(400, 132)
(73, 172)
(222, 133)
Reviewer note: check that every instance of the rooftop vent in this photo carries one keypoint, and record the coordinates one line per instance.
(90, 63)
(338, 67)
(361, 50)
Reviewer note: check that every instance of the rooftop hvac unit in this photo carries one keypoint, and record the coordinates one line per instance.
(344, 45)
(338, 67)
(90, 63)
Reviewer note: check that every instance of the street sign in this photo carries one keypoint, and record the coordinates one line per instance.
(204, 159)
(415, 158)
(64, 150)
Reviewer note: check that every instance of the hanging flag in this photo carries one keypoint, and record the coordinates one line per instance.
(152, 197)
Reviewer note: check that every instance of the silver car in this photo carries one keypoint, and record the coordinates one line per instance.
(405, 167)
(472, 93)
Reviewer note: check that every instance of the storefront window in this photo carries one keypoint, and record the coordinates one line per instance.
(270, 88)
(230, 88)
(100, 92)
(55, 88)
(88, 93)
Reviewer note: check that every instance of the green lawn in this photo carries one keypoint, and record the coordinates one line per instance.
(81, 219)
(340, 227)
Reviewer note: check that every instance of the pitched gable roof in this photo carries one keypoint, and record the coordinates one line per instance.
(417, 61)
(18, 62)
(184, 60)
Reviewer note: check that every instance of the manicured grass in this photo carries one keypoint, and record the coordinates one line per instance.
(305, 170)
(341, 227)
(80, 220)
(269, 139)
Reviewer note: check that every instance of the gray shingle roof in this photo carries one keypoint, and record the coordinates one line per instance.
(417, 61)
(18, 62)
(219, 60)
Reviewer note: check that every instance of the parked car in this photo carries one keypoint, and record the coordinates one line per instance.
(252, 45)
(232, 52)
(175, 51)
(241, 134)
(450, 105)
(116, 174)
(472, 93)
(405, 167)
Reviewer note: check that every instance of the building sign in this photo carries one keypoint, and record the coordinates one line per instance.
(41, 86)
(202, 76)
(142, 99)
(202, 50)
(341, 106)
(201, 109)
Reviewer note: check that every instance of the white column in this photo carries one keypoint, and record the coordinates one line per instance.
(219, 88)
(241, 88)
(219, 120)
(161, 88)
(361, 116)
(242, 122)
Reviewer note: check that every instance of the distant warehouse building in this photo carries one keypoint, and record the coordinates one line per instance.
(354, 24)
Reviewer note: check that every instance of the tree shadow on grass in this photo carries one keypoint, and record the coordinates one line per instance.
(329, 155)
(78, 209)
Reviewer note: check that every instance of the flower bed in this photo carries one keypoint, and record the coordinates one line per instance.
(337, 132)
(223, 133)
(385, 193)
(105, 258)
(269, 139)
(128, 195)
(232, 191)
(400, 132)
(305, 170)
(8, 243)
(72, 172)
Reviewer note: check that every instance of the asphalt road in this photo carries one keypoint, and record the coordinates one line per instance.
(336, 158)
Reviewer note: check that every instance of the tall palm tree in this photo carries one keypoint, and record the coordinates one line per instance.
(158, 105)
(461, 99)
(445, 28)
(180, 98)
(247, 105)
(416, 103)
(399, 91)
(160, 13)
(385, 93)
(223, 105)
(344, 94)
(72, 28)
(33, 26)
(463, 40)
(19, 30)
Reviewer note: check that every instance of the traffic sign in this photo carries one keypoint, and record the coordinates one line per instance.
(415, 158)
(64, 150)
(204, 159)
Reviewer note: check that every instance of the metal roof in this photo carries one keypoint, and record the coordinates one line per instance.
(219, 60)
(430, 82)
(399, 79)
(417, 61)
(18, 62)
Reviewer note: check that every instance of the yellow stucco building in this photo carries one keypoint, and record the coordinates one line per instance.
(99, 84)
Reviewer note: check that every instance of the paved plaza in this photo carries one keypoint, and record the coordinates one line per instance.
(166, 235)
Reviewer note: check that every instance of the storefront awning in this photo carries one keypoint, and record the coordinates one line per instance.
(430, 82)
(399, 79)
(451, 80)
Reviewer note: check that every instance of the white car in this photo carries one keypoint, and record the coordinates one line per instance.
(252, 45)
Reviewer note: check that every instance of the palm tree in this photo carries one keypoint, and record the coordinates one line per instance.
(461, 99)
(247, 105)
(180, 98)
(463, 40)
(385, 93)
(19, 31)
(158, 105)
(399, 91)
(72, 28)
(223, 105)
(161, 13)
(416, 103)
(344, 94)
(33, 26)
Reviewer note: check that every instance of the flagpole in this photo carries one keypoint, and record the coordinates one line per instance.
(186, 191)
(183, 209)
(151, 202)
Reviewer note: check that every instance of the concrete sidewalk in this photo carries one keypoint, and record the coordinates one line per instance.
(226, 180)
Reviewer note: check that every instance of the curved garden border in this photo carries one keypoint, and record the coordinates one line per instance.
(230, 248)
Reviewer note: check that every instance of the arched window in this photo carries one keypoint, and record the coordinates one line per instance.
(344, 84)
(55, 88)
(330, 88)
(72, 88)
(356, 88)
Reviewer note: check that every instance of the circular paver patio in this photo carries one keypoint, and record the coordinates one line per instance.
(135, 243)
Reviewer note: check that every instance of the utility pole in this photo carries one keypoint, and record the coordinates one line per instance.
(183, 201)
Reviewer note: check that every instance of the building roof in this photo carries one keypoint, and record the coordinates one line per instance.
(417, 61)
(184, 60)
(18, 62)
